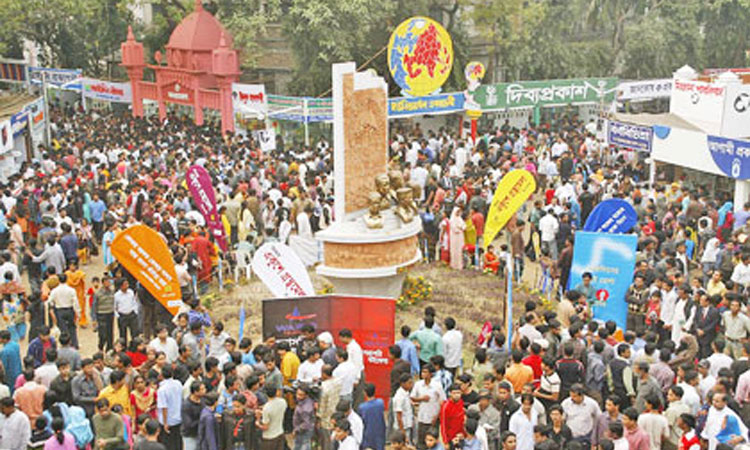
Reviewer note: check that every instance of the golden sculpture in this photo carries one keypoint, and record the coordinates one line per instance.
(416, 192)
(396, 181)
(373, 220)
(382, 188)
(405, 208)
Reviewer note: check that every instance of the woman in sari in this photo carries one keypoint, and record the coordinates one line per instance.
(142, 399)
(457, 228)
(247, 222)
(444, 239)
(13, 307)
(76, 279)
(109, 236)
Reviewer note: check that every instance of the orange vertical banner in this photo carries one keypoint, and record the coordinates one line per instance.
(145, 254)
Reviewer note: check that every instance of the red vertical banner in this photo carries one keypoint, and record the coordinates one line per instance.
(202, 189)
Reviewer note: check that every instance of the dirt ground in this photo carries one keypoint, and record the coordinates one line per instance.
(469, 296)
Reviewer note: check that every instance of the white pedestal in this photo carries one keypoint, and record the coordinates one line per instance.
(376, 259)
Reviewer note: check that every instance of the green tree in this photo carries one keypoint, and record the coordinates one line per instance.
(508, 26)
(727, 33)
(70, 33)
(664, 42)
(323, 32)
(246, 20)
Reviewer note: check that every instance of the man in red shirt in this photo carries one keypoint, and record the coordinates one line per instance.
(534, 360)
(452, 415)
(690, 439)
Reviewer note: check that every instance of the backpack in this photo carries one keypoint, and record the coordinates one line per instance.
(79, 426)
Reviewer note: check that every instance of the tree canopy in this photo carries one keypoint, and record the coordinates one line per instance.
(519, 39)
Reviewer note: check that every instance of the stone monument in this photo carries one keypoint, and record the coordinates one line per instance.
(374, 236)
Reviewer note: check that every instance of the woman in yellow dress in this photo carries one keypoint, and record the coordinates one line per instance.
(76, 279)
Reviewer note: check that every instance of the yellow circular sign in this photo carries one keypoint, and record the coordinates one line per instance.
(420, 56)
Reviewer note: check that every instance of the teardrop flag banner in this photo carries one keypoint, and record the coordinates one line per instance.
(612, 216)
(512, 191)
(202, 189)
(144, 253)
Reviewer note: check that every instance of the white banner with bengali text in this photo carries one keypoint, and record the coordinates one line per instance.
(282, 271)
(107, 91)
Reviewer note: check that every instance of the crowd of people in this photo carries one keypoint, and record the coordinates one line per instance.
(676, 378)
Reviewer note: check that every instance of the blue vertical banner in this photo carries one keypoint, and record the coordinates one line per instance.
(610, 258)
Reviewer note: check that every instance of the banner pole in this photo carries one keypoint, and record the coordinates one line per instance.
(241, 332)
(221, 276)
(47, 132)
(509, 303)
(305, 113)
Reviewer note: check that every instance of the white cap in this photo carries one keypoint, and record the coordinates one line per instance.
(326, 337)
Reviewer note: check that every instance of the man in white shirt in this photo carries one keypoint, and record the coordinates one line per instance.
(707, 380)
(741, 272)
(522, 423)
(412, 154)
(691, 397)
(354, 350)
(548, 226)
(48, 371)
(718, 359)
(452, 344)
(65, 301)
(346, 373)
(310, 370)
(126, 310)
(559, 147)
(343, 435)
(419, 176)
(667, 312)
(402, 407)
(428, 393)
(15, 430)
(580, 411)
(164, 343)
(654, 424)
(715, 421)
(461, 157)
(9, 266)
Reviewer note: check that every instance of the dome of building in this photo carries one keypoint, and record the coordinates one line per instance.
(199, 31)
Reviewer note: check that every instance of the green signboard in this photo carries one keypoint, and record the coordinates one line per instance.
(529, 94)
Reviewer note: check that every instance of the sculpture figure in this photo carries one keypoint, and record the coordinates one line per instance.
(373, 220)
(405, 207)
(382, 188)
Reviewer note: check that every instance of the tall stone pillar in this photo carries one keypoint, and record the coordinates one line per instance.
(225, 66)
(133, 62)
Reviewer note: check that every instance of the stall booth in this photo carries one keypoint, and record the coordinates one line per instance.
(643, 96)
(706, 132)
(22, 123)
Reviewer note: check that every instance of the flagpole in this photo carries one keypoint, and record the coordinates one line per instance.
(509, 303)
(47, 131)
(241, 332)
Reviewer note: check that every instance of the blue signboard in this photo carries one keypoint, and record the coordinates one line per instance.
(70, 79)
(611, 216)
(431, 104)
(18, 122)
(610, 258)
(633, 137)
(732, 156)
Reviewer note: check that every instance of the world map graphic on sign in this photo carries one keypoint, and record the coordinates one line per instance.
(420, 56)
